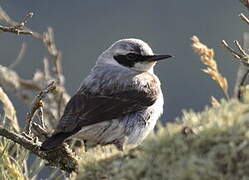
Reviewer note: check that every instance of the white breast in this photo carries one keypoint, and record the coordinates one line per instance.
(140, 131)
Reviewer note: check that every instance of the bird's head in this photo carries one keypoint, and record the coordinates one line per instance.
(131, 53)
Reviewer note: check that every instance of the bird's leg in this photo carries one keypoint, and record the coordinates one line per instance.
(86, 147)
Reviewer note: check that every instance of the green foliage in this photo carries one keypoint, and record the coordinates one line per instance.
(217, 149)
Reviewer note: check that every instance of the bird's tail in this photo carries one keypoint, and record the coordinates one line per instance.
(54, 141)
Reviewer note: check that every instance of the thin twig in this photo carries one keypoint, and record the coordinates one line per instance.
(40, 116)
(244, 18)
(19, 57)
(240, 48)
(47, 38)
(15, 30)
(58, 63)
(25, 89)
(234, 53)
(60, 158)
(26, 19)
(5, 18)
(245, 3)
(40, 132)
(46, 68)
(49, 41)
(29, 84)
(242, 83)
(241, 55)
(59, 104)
(242, 74)
(36, 105)
(18, 28)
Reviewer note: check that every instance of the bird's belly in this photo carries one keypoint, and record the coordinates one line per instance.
(130, 129)
(138, 125)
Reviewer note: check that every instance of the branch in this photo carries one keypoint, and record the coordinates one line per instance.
(11, 81)
(37, 103)
(245, 3)
(26, 19)
(19, 57)
(26, 89)
(48, 109)
(240, 55)
(244, 18)
(47, 39)
(60, 157)
(18, 28)
(15, 30)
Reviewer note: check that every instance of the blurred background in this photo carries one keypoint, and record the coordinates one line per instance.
(83, 29)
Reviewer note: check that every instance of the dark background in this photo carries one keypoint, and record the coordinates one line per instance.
(83, 29)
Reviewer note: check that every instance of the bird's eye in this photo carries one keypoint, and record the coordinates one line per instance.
(131, 56)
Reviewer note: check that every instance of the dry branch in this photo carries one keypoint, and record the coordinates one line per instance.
(245, 3)
(244, 18)
(19, 57)
(17, 28)
(25, 90)
(37, 103)
(240, 54)
(60, 157)
(47, 39)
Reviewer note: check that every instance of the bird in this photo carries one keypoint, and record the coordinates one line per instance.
(119, 102)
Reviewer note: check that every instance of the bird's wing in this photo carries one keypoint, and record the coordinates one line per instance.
(86, 108)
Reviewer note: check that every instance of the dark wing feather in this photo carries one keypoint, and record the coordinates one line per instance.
(86, 108)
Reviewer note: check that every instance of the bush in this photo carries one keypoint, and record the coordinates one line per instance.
(216, 147)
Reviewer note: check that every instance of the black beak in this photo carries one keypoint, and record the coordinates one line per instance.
(156, 57)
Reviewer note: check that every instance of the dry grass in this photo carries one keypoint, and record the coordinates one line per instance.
(9, 110)
(9, 166)
(207, 58)
(215, 102)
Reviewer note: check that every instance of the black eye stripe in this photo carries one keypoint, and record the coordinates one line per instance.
(132, 56)
(129, 59)
(122, 59)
